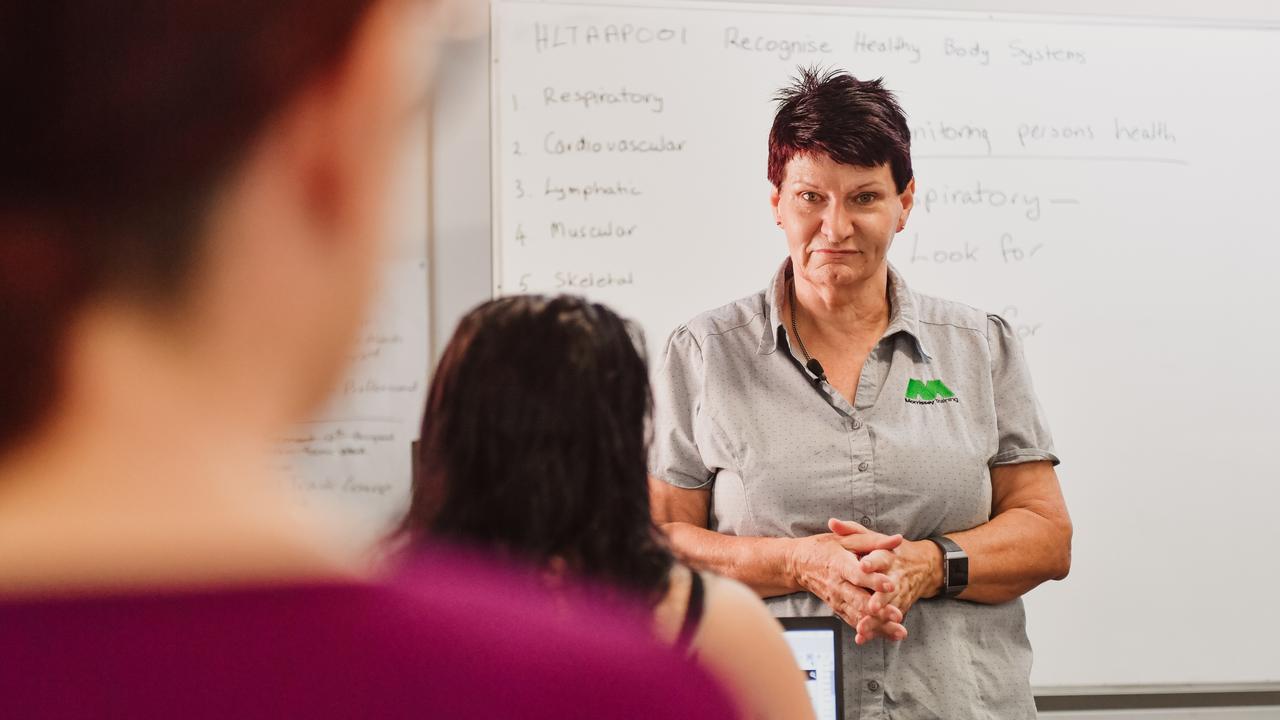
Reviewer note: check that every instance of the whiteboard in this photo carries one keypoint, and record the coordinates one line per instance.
(1107, 185)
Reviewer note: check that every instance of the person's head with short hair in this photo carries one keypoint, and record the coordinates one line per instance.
(840, 165)
(214, 167)
(534, 443)
(193, 216)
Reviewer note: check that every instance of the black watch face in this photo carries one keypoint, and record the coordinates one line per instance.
(957, 574)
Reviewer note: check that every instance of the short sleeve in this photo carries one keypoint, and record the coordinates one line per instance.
(677, 401)
(1020, 421)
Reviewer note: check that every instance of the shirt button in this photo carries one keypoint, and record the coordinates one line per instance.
(865, 521)
(856, 424)
(862, 467)
(873, 686)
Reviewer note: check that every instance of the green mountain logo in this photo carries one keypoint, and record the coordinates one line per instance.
(929, 392)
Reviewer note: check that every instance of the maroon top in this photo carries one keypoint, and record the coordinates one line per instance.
(441, 640)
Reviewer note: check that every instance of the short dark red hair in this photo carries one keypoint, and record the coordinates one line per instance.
(852, 121)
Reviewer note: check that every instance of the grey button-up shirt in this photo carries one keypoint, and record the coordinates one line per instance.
(943, 397)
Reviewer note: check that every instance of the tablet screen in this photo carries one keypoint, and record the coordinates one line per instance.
(815, 650)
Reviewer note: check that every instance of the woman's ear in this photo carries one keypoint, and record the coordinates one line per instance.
(774, 198)
(908, 199)
(349, 129)
(315, 160)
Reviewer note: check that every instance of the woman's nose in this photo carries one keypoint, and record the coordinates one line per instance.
(837, 223)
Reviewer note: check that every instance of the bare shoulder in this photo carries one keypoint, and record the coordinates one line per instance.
(742, 644)
(735, 617)
(730, 597)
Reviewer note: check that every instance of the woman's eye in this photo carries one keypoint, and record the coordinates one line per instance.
(865, 198)
(809, 196)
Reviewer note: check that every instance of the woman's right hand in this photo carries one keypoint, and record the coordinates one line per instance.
(844, 570)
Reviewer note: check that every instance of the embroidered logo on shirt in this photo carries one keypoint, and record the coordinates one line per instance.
(929, 392)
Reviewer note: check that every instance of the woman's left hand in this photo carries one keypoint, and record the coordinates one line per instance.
(915, 569)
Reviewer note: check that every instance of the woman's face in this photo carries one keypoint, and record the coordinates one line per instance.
(839, 219)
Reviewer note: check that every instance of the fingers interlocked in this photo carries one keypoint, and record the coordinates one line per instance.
(866, 586)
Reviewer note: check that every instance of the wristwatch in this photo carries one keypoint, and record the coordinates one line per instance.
(955, 565)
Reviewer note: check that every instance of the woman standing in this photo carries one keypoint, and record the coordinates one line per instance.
(839, 405)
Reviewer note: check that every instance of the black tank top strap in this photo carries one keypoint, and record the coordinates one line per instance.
(693, 612)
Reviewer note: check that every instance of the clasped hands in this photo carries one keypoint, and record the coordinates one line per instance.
(870, 580)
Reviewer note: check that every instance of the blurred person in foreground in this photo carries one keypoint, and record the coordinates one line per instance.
(191, 210)
(534, 446)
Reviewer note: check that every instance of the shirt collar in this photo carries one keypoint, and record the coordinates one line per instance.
(773, 294)
(903, 314)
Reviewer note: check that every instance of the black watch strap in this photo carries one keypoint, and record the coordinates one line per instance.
(955, 565)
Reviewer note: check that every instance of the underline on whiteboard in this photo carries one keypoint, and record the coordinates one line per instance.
(1078, 158)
